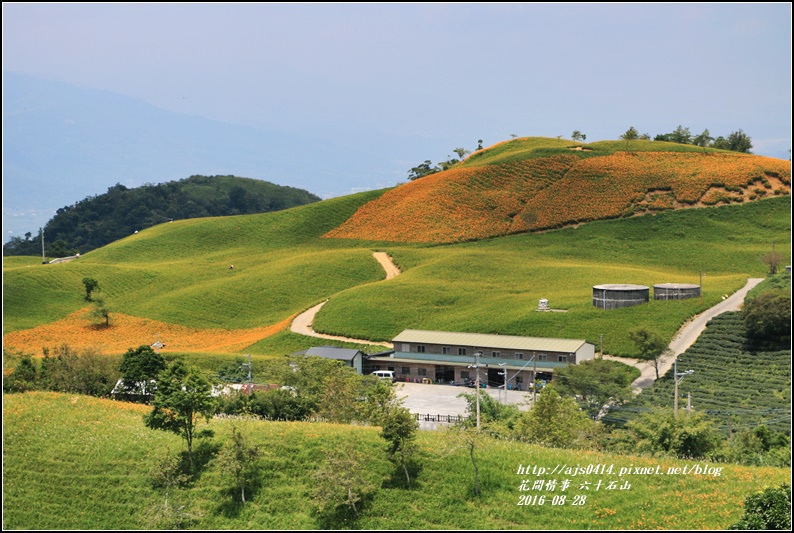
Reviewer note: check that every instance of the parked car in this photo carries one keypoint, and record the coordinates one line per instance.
(384, 374)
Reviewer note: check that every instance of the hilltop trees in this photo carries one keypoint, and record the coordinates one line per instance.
(630, 135)
(596, 383)
(737, 141)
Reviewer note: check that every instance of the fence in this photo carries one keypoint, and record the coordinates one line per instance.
(450, 419)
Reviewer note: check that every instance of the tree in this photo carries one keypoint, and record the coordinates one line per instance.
(462, 152)
(479, 147)
(22, 378)
(471, 439)
(182, 398)
(139, 366)
(772, 260)
(90, 286)
(596, 383)
(421, 170)
(769, 509)
(88, 372)
(556, 422)
(630, 135)
(576, 135)
(650, 345)
(738, 141)
(341, 480)
(166, 475)
(704, 139)
(584, 138)
(686, 437)
(240, 462)
(399, 430)
(101, 310)
(767, 317)
(681, 135)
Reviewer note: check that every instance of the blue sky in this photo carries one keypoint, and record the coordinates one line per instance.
(428, 77)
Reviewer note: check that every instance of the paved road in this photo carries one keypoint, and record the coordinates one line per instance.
(686, 336)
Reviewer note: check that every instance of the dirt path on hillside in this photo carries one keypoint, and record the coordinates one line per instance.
(685, 337)
(303, 322)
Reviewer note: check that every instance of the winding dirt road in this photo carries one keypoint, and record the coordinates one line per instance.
(303, 322)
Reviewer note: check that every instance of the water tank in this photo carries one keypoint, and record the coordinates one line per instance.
(675, 291)
(619, 295)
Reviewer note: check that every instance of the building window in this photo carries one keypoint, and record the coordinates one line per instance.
(542, 357)
(563, 359)
(461, 351)
(445, 350)
(519, 379)
(421, 371)
(406, 347)
(406, 370)
(420, 348)
(464, 374)
(518, 355)
(496, 354)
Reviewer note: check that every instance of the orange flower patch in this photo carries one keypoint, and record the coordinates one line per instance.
(126, 331)
(537, 194)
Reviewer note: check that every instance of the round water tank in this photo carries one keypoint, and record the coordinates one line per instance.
(675, 291)
(619, 295)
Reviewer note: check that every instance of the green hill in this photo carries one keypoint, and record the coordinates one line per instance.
(76, 462)
(102, 219)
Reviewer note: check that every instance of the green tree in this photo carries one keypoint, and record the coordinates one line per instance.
(341, 480)
(421, 170)
(556, 422)
(681, 135)
(651, 346)
(166, 475)
(471, 439)
(22, 377)
(479, 147)
(739, 141)
(182, 399)
(87, 372)
(630, 135)
(462, 152)
(90, 286)
(140, 365)
(576, 135)
(767, 317)
(596, 383)
(399, 430)
(239, 462)
(101, 310)
(660, 431)
(704, 139)
(769, 509)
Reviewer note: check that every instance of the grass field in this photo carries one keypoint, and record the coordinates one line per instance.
(178, 275)
(75, 462)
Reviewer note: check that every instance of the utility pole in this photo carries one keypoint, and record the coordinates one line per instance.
(534, 379)
(602, 345)
(504, 373)
(688, 402)
(678, 378)
(41, 230)
(250, 366)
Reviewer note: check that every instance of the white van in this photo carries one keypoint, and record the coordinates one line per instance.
(384, 374)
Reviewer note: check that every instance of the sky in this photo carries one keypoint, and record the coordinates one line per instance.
(425, 78)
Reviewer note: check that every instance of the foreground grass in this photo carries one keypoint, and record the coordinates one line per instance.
(97, 454)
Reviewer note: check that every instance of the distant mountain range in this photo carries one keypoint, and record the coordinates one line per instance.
(62, 143)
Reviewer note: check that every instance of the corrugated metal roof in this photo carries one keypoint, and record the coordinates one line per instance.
(331, 352)
(481, 340)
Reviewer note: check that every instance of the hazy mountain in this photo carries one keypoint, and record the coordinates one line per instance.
(63, 143)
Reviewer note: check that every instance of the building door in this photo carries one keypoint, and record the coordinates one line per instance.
(445, 374)
(494, 379)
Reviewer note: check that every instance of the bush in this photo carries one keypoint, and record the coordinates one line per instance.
(768, 509)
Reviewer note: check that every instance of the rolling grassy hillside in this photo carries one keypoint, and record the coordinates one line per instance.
(179, 274)
(537, 184)
(76, 462)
